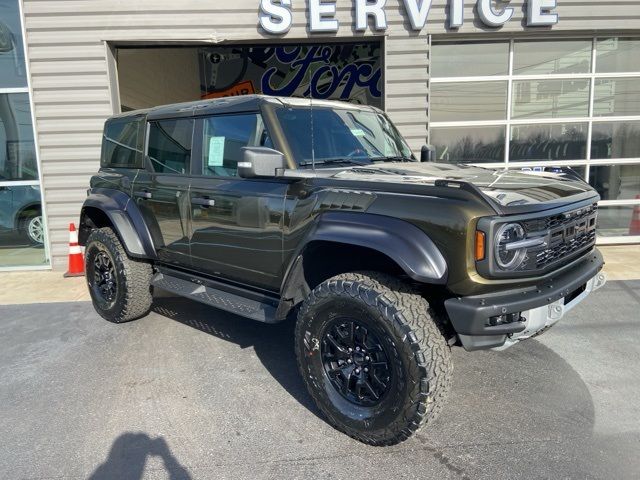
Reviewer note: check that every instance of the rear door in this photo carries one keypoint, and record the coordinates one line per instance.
(162, 189)
(236, 223)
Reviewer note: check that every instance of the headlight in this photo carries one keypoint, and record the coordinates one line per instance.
(508, 251)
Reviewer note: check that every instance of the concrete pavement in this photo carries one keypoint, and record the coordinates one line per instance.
(623, 263)
(192, 392)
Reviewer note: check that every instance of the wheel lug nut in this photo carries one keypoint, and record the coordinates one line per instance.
(357, 349)
(366, 369)
(350, 349)
(357, 370)
(349, 360)
(366, 358)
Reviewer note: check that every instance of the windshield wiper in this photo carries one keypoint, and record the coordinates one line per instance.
(330, 161)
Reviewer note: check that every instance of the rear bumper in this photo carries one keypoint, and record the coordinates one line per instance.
(494, 321)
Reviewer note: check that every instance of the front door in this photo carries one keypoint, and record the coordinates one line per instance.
(162, 190)
(236, 223)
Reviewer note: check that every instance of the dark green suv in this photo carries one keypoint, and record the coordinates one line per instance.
(274, 208)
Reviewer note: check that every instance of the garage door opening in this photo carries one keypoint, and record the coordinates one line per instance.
(150, 76)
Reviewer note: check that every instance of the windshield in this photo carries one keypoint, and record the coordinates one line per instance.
(337, 134)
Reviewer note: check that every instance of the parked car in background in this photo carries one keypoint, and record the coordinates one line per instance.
(21, 212)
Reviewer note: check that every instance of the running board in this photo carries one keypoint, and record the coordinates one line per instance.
(230, 302)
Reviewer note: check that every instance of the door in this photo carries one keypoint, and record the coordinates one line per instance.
(236, 223)
(162, 190)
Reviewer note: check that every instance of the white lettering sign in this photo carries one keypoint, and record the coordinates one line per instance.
(538, 13)
(491, 18)
(456, 13)
(276, 15)
(322, 16)
(417, 13)
(364, 10)
(275, 18)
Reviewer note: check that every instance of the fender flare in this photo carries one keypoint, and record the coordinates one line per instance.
(126, 218)
(404, 243)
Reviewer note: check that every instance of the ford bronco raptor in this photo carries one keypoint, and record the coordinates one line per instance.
(278, 207)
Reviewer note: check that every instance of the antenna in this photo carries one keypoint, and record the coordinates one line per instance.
(313, 146)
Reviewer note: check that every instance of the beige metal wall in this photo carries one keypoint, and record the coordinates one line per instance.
(72, 87)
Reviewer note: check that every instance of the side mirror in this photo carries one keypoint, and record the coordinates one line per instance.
(428, 153)
(260, 162)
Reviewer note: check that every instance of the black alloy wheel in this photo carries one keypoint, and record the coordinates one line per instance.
(104, 277)
(356, 362)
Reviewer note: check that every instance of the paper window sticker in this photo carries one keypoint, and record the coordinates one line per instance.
(358, 132)
(216, 152)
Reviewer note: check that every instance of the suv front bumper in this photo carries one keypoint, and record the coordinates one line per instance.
(481, 321)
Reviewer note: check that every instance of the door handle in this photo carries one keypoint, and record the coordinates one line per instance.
(146, 195)
(203, 201)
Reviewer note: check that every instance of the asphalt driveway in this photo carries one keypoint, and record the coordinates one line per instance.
(191, 392)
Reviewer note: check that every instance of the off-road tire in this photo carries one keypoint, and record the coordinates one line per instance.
(133, 296)
(421, 355)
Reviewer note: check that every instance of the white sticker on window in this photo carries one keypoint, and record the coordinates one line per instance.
(216, 152)
(358, 132)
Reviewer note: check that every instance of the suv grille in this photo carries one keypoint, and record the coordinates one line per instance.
(569, 233)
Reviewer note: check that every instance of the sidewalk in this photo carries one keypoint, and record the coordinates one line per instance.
(623, 263)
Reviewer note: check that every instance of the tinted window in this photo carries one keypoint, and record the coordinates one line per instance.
(543, 57)
(469, 100)
(469, 144)
(122, 142)
(224, 138)
(12, 67)
(17, 151)
(618, 55)
(466, 59)
(170, 145)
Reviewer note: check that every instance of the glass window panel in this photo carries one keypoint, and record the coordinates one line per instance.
(533, 57)
(615, 140)
(618, 55)
(122, 146)
(224, 138)
(615, 221)
(12, 66)
(468, 101)
(616, 96)
(564, 141)
(469, 59)
(550, 98)
(616, 182)
(170, 145)
(22, 233)
(17, 150)
(469, 144)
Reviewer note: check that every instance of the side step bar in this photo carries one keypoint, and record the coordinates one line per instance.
(262, 311)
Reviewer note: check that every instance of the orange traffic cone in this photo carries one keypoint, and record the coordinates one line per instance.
(76, 260)
(634, 226)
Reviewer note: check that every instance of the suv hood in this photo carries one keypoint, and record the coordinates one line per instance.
(507, 188)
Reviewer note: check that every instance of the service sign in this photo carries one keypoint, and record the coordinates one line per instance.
(276, 15)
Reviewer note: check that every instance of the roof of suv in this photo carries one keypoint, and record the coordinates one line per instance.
(236, 104)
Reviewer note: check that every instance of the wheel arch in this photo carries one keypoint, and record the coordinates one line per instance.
(37, 206)
(115, 209)
(360, 241)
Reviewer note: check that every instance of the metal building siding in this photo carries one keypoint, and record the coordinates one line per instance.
(71, 87)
